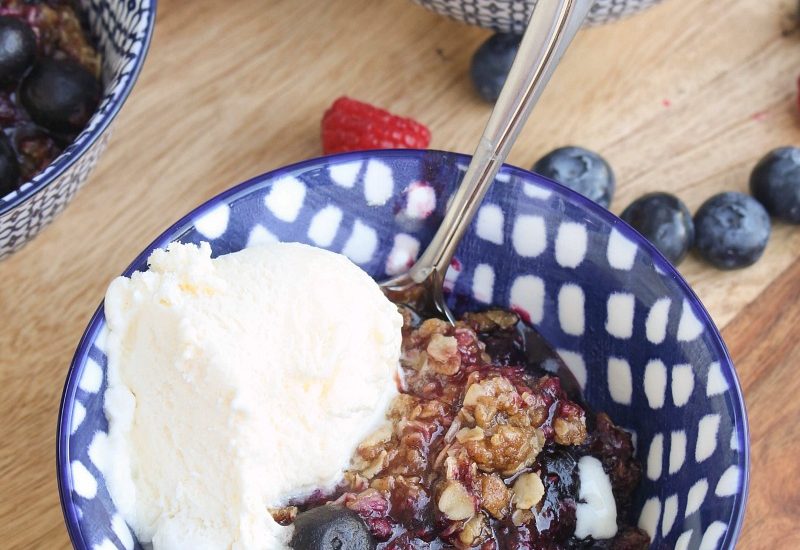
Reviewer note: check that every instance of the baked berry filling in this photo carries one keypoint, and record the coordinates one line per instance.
(482, 449)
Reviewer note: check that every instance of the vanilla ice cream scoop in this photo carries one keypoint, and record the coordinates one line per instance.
(238, 383)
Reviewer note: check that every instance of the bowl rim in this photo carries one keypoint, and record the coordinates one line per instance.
(739, 412)
(69, 157)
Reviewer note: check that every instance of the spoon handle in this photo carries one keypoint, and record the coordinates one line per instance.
(550, 30)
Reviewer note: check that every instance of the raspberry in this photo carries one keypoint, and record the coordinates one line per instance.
(350, 125)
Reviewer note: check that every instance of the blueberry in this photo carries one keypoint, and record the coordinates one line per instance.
(775, 182)
(559, 466)
(664, 221)
(331, 527)
(732, 230)
(581, 170)
(60, 95)
(17, 48)
(491, 63)
(9, 166)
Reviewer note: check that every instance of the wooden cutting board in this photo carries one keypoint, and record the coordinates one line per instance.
(685, 98)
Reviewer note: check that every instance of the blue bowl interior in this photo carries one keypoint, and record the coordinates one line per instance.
(635, 336)
(121, 30)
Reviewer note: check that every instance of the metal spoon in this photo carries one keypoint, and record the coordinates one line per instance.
(550, 31)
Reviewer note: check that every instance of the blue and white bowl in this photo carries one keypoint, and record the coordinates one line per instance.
(122, 31)
(513, 15)
(634, 334)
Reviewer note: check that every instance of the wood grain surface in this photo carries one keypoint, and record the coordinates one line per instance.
(685, 97)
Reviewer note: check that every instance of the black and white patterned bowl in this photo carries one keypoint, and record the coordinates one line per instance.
(512, 15)
(122, 30)
(637, 339)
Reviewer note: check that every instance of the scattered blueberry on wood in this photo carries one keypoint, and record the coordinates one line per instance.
(663, 220)
(775, 182)
(491, 63)
(732, 230)
(581, 170)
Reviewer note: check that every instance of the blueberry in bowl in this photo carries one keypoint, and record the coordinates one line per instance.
(9, 167)
(17, 48)
(540, 259)
(330, 527)
(60, 96)
(66, 68)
